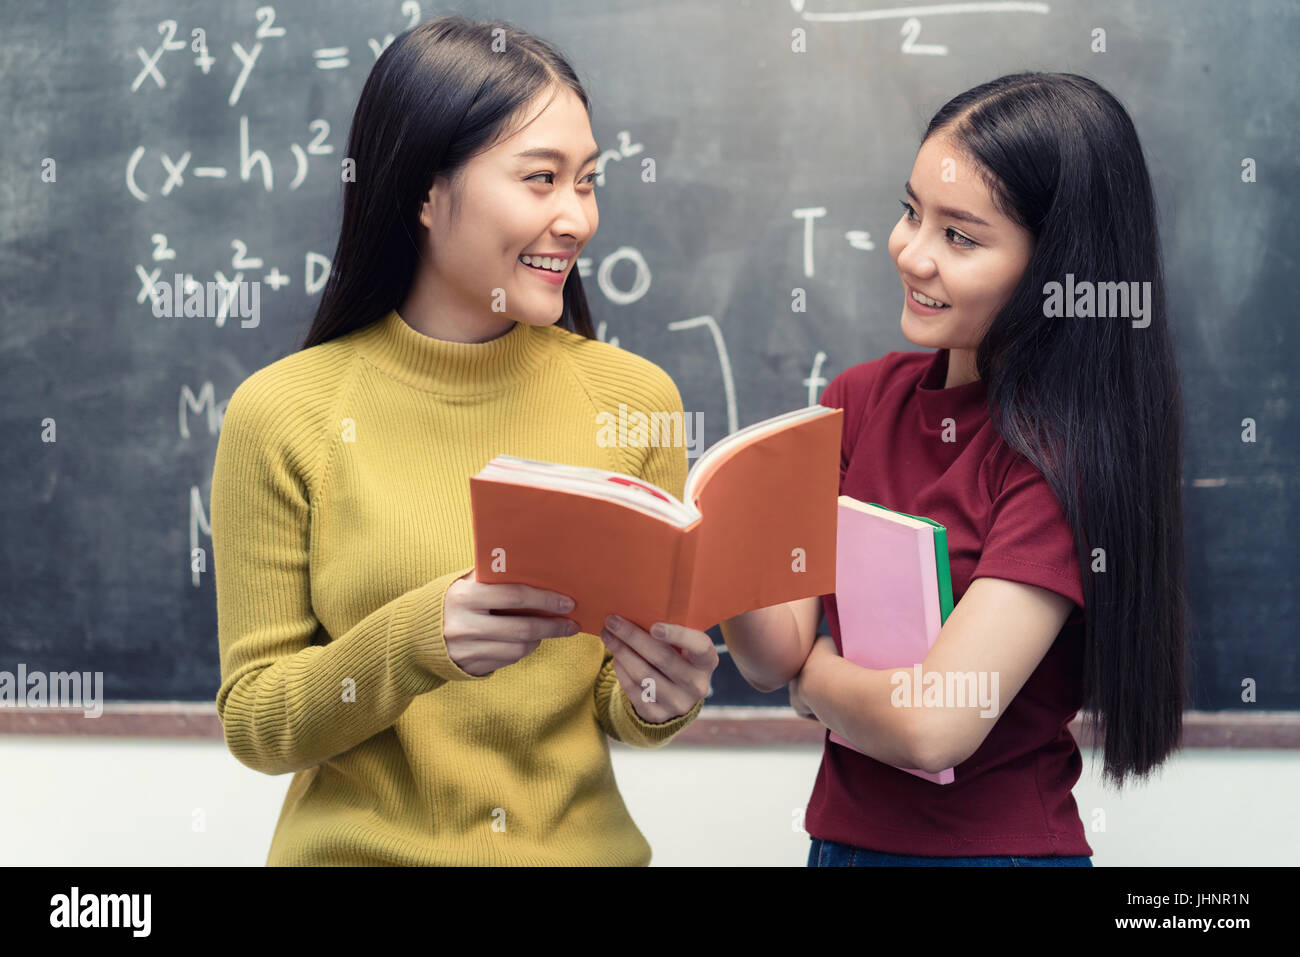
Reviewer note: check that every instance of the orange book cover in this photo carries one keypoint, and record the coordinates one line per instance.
(756, 526)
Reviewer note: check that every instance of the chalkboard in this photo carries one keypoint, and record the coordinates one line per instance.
(129, 157)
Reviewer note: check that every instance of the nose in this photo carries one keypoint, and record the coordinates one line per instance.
(915, 258)
(572, 218)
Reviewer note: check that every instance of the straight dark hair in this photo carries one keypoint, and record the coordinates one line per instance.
(1094, 404)
(441, 93)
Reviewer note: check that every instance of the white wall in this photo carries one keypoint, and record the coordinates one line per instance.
(82, 801)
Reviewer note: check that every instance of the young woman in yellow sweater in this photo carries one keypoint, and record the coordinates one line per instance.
(427, 717)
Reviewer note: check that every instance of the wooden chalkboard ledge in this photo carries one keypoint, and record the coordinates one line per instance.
(716, 726)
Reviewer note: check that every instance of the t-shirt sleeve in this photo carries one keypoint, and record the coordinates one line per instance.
(848, 391)
(1029, 539)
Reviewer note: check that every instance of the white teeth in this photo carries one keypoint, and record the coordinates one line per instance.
(545, 262)
(925, 301)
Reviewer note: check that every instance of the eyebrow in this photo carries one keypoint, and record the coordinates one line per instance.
(542, 152)
(959, 214)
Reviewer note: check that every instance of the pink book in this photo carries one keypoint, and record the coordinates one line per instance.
(893, 590)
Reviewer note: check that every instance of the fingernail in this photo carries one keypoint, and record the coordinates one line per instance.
(659, 631)
(613, 623)
(566, 604)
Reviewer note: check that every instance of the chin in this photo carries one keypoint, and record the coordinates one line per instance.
(539, 320)
(918, 334)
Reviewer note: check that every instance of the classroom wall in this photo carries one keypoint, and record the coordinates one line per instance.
(776, 170)
(131, 801)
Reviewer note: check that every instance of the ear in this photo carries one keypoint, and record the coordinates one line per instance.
(426, 209)
(435, 199)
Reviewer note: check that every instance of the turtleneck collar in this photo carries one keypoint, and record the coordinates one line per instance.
(958, 402)
(447, 367)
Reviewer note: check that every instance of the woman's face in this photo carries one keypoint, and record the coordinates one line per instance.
(953, 246)
(511, 205)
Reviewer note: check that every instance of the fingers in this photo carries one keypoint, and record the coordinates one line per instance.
(666, 698)
(680, 656)
(524, 627)
(678, 682)
(484, 597)
(695, 646)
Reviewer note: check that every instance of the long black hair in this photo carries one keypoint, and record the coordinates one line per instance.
(1094, 404)
(442, 92)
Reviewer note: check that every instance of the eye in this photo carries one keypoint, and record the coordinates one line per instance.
(590, 177)
(954, 237)
(957, 239)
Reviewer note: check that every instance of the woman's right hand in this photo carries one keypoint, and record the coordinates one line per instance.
(479, 641)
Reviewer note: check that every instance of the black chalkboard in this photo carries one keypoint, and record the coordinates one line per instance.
(122, 163)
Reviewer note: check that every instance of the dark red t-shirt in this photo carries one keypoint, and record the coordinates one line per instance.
(1012, 796)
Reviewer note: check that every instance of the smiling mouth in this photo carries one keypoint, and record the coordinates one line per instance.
(538, 263)
(926, 300)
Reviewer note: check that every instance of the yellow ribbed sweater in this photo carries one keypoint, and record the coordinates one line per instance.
(340, 515)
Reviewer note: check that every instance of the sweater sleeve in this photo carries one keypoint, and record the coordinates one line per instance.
(666, 467)
(290, 697)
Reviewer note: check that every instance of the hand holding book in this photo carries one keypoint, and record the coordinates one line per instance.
(484, 630)
(664, 672)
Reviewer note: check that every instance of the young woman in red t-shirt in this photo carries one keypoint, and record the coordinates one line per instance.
(1022, 182)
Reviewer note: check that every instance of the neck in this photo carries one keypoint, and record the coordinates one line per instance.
(961, 367)
(437, 313)
(448, 367)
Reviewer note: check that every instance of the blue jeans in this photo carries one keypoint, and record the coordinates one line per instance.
(835, 854)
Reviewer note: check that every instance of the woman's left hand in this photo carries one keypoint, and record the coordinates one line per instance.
(822, 647)
(662, 677)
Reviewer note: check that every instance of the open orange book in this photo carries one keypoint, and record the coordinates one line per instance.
(757, 527)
